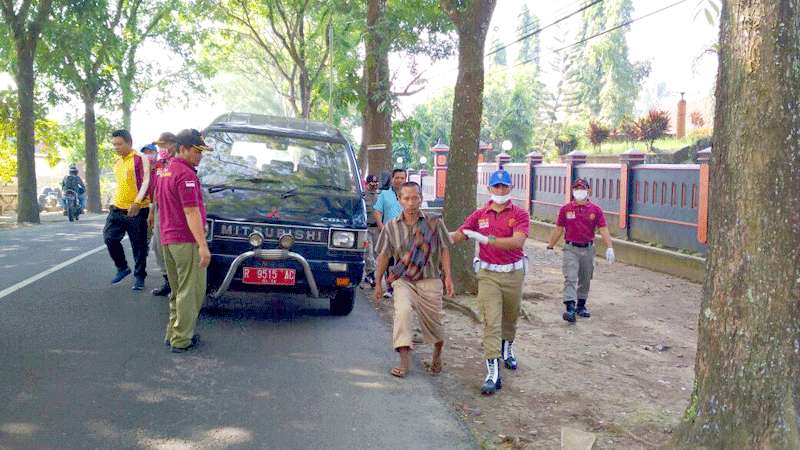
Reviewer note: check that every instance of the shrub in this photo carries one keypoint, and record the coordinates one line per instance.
(697, 119)
(597, 134)
(566, 141)
(652, 126)
(699, 134)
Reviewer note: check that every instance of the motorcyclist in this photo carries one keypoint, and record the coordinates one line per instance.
(75, 183)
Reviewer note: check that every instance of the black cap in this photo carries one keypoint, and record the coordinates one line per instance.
(372, 179)
(191, 138)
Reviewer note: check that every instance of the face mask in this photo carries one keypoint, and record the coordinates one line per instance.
(164, 154)
(501, 199)
(151, 157)
(580, 194)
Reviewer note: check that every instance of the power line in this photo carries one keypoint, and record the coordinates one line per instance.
(624, 24)
(540, 29)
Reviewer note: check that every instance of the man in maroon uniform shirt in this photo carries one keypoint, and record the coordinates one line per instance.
(579, 219)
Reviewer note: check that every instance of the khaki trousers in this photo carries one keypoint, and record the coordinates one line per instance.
(424, 297)
(578, 268)
(188, 282)
(499, 297)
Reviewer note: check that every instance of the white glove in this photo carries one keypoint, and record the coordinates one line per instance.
(610, 255)
(476, 236)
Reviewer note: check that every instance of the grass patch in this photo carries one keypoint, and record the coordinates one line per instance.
(661, 145)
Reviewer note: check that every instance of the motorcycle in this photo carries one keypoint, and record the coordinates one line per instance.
(72, 205)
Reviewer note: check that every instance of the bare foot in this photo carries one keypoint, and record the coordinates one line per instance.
(435, 366)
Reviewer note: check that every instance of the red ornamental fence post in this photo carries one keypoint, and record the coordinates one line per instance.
(571, 159)
(628, 159)
(704, 158)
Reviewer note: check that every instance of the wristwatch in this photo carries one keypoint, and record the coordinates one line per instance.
(492, 239)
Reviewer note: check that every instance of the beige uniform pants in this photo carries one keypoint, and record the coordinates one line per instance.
(188, 282)
(499, 296)
(424, 297)
(156, 242)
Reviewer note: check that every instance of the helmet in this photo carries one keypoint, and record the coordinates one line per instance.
(580, 183)
(500, 177)
(73, 169)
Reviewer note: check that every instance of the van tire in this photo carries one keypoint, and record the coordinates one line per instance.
(342, 303)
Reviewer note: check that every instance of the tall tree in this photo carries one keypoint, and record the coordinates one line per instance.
(292, 38)
(85, 69)
(530, 49)
(500, 57)
(746, 391)
(377, 128)
(471, 19)
(25, 21)
(154, 21)
(607, 83)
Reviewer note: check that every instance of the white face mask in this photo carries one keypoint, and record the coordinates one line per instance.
(501, 199)
(580, 194)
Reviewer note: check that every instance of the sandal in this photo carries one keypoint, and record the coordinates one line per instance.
(398, 372)
(434, 368)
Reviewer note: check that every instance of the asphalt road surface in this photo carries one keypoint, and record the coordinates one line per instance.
(83, 364)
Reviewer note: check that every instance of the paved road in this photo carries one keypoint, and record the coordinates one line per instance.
(82, 365)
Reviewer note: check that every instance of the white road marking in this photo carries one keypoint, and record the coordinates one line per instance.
(10, 290)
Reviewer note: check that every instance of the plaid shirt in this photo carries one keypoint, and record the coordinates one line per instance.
(397, 239)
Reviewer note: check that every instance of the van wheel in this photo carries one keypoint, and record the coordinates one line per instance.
(342, 302)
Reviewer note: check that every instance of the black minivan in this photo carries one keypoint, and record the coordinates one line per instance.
(285, 208)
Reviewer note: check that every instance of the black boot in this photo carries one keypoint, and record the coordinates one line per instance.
(164, 290)
(493, 383)
(582, 311)
(509, 360)
(569, 314)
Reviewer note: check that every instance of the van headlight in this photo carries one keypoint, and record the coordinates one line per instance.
(256, 239)
(343, 239)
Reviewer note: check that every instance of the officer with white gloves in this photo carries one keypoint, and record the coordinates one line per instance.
(577, 222)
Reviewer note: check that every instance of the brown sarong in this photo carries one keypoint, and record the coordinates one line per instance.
(424, 297)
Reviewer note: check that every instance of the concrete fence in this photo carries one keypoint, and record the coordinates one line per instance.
(661, 204)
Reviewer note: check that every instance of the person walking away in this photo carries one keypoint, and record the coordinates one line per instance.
(420, 246)
(73, 182)
(166, 150)
(500, 228)
(182, 220)
(577, 222)
(387, 206)
(370, 196)
(128, 210)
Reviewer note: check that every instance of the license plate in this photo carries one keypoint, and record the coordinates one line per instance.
(269, 276)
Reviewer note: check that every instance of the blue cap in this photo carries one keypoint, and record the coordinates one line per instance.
(500, 177)
(150, 147)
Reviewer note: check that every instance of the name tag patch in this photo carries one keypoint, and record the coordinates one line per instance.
(570, 214)
(483, 223)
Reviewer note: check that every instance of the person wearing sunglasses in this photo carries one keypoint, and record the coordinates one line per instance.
(182, 220)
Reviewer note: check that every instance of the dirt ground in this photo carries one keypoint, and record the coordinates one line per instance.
(625, 374)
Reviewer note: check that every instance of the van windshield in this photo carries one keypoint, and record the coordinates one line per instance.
(276, 163)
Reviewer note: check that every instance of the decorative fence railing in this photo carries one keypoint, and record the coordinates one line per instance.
(662, 204)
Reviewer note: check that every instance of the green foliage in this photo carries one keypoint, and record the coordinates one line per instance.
(652, 126)
(511, 101)
(429, 124)
(699, 134)
(500, 56)
(73, 141)
(530, 48)
(49, 136)
(567, 139)
(604, 82)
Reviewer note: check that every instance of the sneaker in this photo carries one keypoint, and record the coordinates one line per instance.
(163, 291)
(370, 279)
(569, 314)
(121, 274)
(387, 294)
(493, 382)
(509, 359)
(138, 284)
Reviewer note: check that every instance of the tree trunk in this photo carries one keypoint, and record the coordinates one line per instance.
(460, 192)
(27, 201)
(747, 369)
(378, 116)
(93, 203)
(126, 89)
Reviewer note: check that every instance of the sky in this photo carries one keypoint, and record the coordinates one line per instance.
(673, 41)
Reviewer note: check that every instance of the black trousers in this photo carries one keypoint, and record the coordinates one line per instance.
(117, 224)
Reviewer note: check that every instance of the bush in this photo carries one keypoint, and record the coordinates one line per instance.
(699, 134)
(597, 134)
(697, 119)
(651, 127)
(566, 141)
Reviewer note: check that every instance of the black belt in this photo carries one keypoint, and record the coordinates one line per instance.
(114, 208)
(577, 244)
